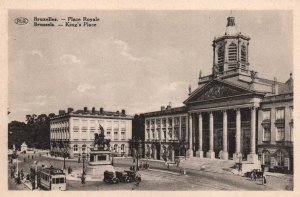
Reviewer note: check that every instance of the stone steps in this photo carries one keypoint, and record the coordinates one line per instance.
(206, 164)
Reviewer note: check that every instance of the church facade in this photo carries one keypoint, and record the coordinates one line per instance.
(232, 114)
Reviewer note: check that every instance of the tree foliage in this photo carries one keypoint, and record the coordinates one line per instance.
(35, 132)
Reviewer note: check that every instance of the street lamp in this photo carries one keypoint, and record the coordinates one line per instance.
(35, 177)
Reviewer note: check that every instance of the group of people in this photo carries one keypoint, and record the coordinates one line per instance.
(17, 175)
(140, 166)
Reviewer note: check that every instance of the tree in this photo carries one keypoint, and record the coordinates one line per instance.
(35, 132)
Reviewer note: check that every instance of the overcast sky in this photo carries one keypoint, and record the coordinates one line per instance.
(136, 60)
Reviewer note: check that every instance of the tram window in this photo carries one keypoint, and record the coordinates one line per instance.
(53, 181)
(61, 180)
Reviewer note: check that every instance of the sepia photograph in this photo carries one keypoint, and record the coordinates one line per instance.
(150, 100)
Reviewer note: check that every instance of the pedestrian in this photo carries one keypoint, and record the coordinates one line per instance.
(24, 159)
(83, 179)
(12, 174)
(28, 156)
(40, 154)
(22, 174)
(254, 175)
(264, 178)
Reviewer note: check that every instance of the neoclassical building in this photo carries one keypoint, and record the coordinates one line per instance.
(73, 132)
(232, 114)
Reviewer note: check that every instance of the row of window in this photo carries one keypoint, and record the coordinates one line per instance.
(165, 121)
(278, 158)
(280, 133)
(56, 125)
(157, 135)
(279, 114)
(83, 147)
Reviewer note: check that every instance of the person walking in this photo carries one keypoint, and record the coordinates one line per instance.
(12, 172)
(264, 179)
(254, 175)
(83, 179)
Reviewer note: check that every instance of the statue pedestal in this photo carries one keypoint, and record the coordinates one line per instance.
(100, 161)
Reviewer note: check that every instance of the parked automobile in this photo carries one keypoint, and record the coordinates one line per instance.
(258, 173)
(134, 176)
(123, 177)
(109, 177)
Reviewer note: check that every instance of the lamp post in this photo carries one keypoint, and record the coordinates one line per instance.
(83, 158)
(35, 175)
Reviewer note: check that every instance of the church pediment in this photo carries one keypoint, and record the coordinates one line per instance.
(217, 90)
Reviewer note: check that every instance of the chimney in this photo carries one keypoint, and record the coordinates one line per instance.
(123, 112)
(101, 110)
(61, 112)
(162, 108)
(93, 110)
(70, 110)
(275, 86)
(85, 109)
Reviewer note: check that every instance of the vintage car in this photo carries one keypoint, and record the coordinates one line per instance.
(109, 177)
(256, 172)
(134, 176)
(123, 177)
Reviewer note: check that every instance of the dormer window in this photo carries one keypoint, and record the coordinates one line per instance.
(232, 52)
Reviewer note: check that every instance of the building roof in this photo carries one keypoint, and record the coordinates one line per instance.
(170, 111)
(92, 113)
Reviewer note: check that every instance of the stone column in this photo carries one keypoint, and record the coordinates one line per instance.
(253, 157)
(211, 153)
(199, 153)
(237, 154)
(224, 154)
(190, 129)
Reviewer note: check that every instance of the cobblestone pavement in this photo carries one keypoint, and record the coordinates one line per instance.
(162, 179)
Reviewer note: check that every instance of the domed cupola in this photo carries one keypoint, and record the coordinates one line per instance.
(230, 50)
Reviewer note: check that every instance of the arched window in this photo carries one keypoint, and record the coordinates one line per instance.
(122, 147)
(243, 53)
(75, 147)
(116, 147)
(221, 54)
(232, 52)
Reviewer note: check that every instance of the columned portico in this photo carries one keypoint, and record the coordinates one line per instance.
(224, 154)
(211, 153)
(199, 153)
(190, 150)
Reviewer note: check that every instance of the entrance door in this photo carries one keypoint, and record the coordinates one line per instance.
(231, 142)
(158, 152)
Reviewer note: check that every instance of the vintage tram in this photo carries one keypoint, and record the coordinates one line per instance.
(48, 178)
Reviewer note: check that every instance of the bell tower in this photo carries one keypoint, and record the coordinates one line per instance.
(230, 50)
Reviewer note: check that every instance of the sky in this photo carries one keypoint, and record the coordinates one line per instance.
(132, 60)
